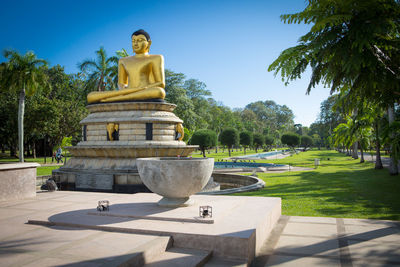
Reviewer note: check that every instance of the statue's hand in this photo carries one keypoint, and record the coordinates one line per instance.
(122, 86)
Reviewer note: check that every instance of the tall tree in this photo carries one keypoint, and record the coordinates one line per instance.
(176, 94)
(24, 74)
(352, 46)
(101, 72)
(272, 116)
(349, 45)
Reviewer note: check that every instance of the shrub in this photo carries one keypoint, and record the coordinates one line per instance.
(204, 139)
(230, 137)
(306, 141)
(258, 141)
(290, 139)
(246, 140)
(269, 141)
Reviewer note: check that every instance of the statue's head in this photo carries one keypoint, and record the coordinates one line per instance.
(140, 42)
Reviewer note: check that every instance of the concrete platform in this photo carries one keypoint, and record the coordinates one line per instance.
(237, 230)
(17, 181)
(295, 241)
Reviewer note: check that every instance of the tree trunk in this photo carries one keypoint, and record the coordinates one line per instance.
(34, 150)
(355, 150)
(393, 169)
(229, 149)
(21, 111)
(204, 153)
(362, 154)
(44, 149)
(28, 149)
(378, 160)
(12, 151)
(245, 150)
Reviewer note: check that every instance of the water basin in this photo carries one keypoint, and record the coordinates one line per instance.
(233, 165)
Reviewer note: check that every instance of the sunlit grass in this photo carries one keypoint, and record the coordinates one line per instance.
(339, 187)
(46, 170)
(42, 170)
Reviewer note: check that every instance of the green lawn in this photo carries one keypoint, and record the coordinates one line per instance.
(46, 170)
(340, 187)
(43, 170)
(39, 160)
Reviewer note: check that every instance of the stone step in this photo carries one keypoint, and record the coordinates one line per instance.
(218, 262)
(148, 251)
(180, 257)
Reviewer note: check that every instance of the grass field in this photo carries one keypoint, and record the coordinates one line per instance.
(43, 170)
(339, 187)
(46, 170)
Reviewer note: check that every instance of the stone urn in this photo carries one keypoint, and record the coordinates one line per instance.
(175, 178)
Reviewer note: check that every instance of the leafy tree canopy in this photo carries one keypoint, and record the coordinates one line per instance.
(306, 141)
(290, 139)
(230, 138)
(352, 45)
(204, 139)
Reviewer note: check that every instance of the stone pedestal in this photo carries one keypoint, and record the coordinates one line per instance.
(113, 136)
(17, 181)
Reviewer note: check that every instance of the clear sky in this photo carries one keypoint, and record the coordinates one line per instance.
(228, 45)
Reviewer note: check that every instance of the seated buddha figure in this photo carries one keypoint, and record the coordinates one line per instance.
(140, 77)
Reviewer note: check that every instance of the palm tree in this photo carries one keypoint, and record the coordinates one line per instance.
(342, 135)
(101, 72)
(23, 73)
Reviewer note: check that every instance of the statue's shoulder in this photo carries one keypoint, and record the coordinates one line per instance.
(124, 59)
(156, 56)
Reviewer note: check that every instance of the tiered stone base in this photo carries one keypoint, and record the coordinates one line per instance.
(106, 160)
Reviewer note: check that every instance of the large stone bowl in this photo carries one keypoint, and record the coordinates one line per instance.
(176, 179)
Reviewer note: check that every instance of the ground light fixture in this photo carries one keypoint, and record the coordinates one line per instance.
(205, 211)
(103, 205)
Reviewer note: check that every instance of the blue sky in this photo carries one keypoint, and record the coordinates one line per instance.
(228, 45)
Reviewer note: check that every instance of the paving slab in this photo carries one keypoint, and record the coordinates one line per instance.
(298, 261)
(310, 220)
(357, 242)
(378, 252)
(377, 233)
(311, 246)
(180, 257)
(308, 229)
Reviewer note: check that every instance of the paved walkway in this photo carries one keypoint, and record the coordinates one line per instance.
(295, 241)
(370, 158)
(315, 241)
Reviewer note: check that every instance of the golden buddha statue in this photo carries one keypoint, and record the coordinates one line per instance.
(140, 77)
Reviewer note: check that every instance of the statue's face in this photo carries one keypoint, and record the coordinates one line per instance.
(140, 44)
